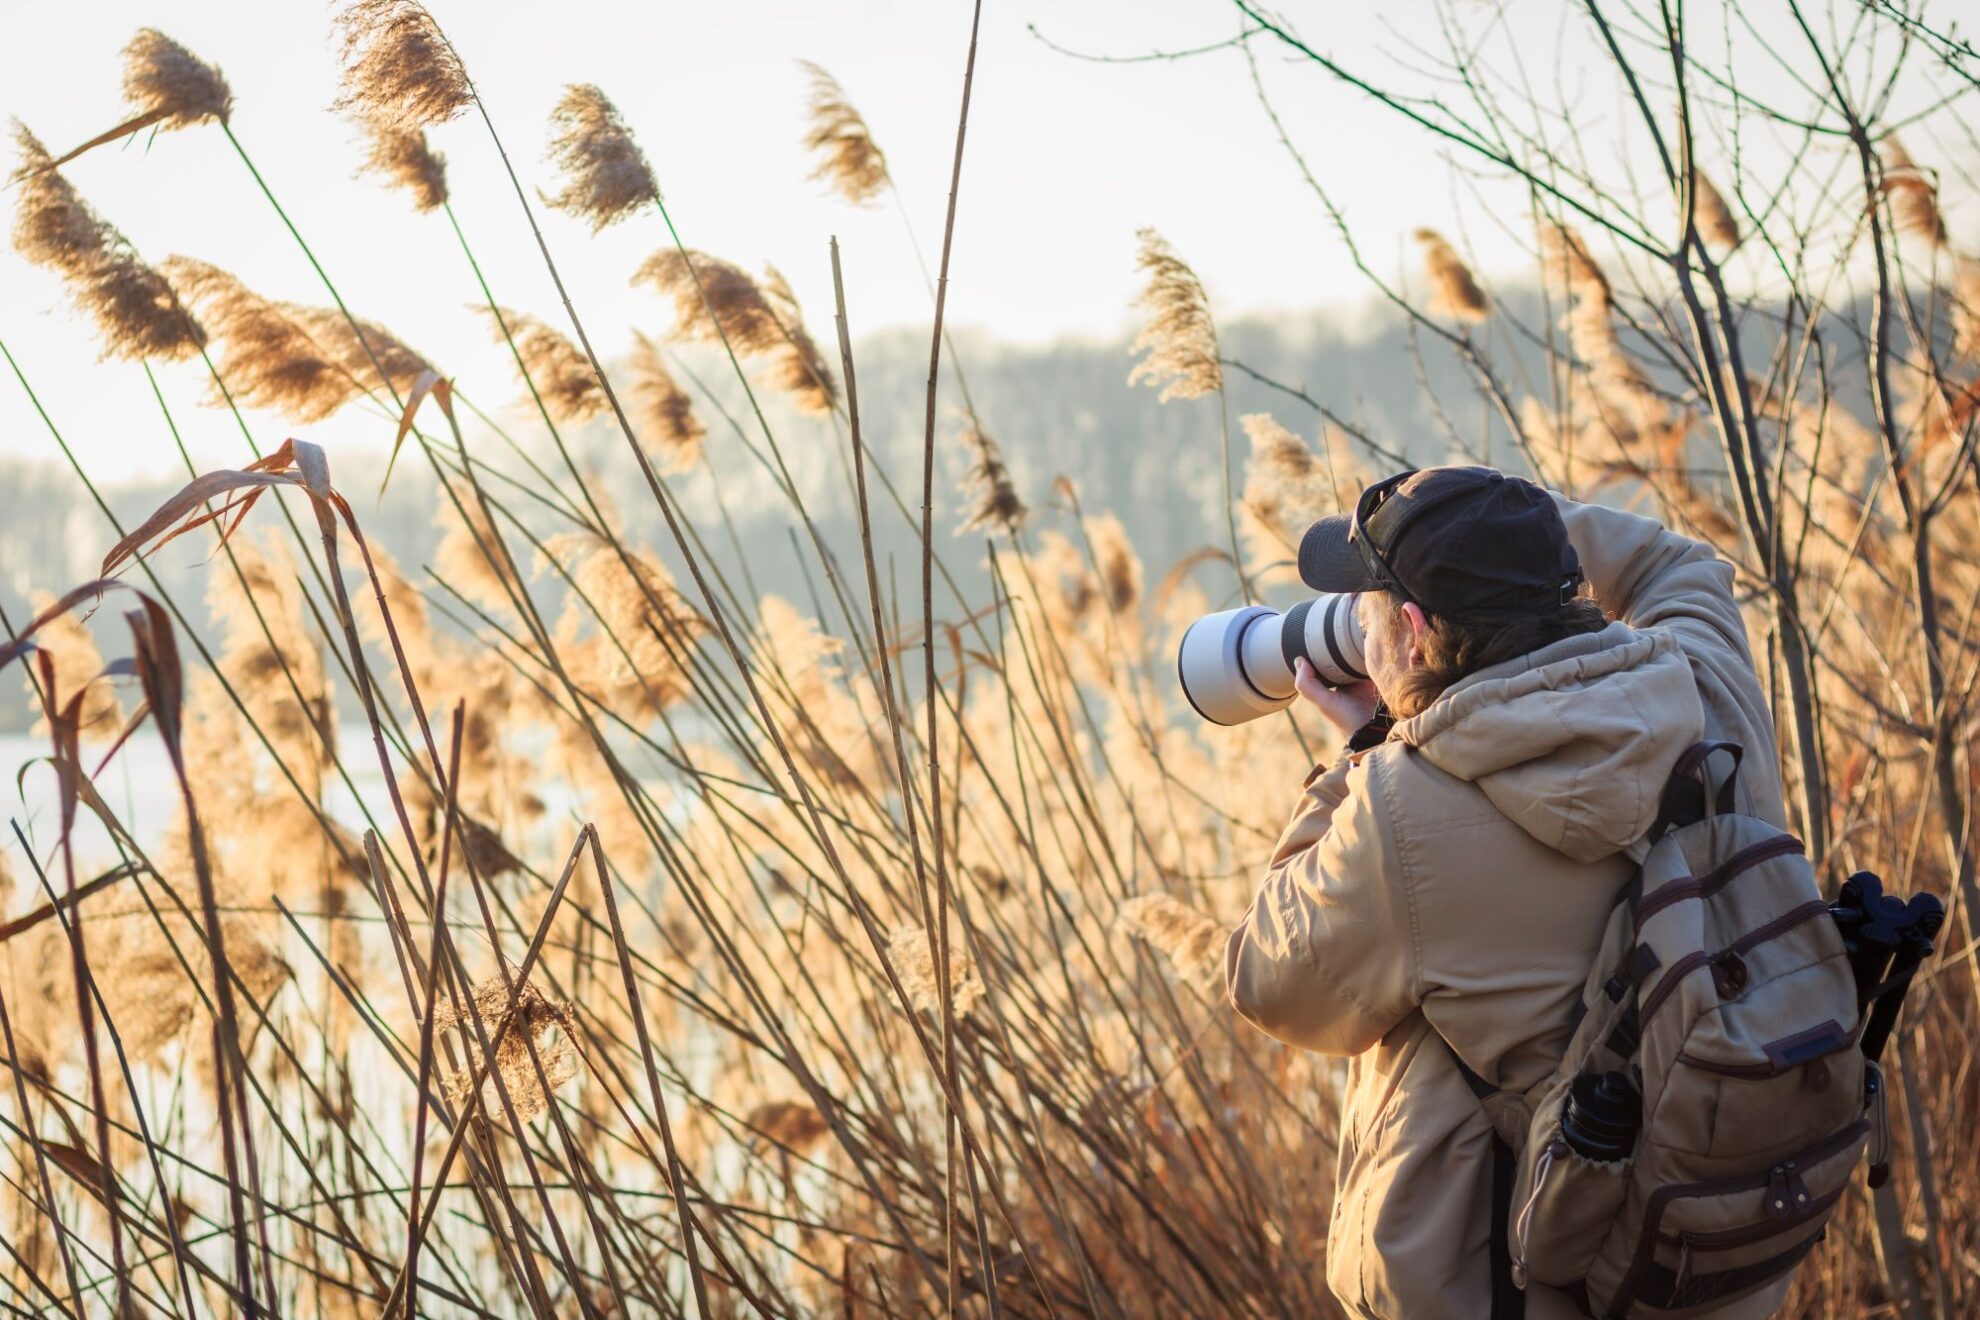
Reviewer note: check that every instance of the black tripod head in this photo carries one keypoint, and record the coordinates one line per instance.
(1886, 940)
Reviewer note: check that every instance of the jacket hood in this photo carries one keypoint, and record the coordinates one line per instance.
(1573, 742)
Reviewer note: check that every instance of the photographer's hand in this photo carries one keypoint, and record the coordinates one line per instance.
(1346, 709)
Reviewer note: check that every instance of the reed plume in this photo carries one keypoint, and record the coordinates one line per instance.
(1191, 939)
(993, 497)
(1115, 562)
(1180, 339)
(400, 72)
(606, 177)
(137, 313)
(1711, 214)
(666, 413)
(78, 666)
(404, 159)
(170, 86)
(849, 160)
(716, 301)
(562, 375)
(1453, 293)
(797, 367)
(304, 362)
(538, 1021)
(1627, 404)
(914, 963)
(1913, 193)
(793, 1124)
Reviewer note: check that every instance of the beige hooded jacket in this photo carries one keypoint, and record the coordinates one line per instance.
(1458, 877)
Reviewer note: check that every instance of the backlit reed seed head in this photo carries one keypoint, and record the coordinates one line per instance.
(914, 962)
(715, 300)
(1286, 488)
(712, 299)
(1190, 939)
(797, 366)
(994, 501)
(270, 657)
(1711, 214)
(471, 558)
(1913, 192)
(606, 176)
(1564, 259)
(665, 412)
(399, 71)
(1966, 308)
(1180, 338)
(152, 999)
(849, 160)
(168, 85)
(304, 362)
(1115, 562)
(563, 376)
(1453, 293)
(402, 157)
(538, 1021)
(137, 314)
(77, 662)
(792, 1124)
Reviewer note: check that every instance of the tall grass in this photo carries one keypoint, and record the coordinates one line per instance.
(710, 952)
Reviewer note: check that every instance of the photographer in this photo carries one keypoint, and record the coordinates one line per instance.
(1437, 899)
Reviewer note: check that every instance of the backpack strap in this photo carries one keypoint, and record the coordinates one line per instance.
(1684, 800)
(1508, 1299)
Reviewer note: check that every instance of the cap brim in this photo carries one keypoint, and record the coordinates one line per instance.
(1327, 562)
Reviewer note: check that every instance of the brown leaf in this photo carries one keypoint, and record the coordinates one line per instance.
(429, 382)
(83, 1167)
(254, 479)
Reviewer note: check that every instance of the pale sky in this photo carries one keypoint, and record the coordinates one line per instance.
(1065, 159)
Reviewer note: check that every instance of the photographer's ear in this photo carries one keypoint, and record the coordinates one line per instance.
(1418, 625)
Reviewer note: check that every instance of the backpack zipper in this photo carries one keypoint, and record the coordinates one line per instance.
(1653, 1213)
(1726, 1239)
(1691, 962)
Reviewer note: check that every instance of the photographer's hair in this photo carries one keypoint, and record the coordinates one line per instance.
(1456, 646)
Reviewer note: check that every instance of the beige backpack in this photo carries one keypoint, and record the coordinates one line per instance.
(1724, 996)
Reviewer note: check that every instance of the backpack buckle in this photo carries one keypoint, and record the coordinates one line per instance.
(1729, 975)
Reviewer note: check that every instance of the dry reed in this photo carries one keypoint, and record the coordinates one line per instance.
(850, 162)
(1179, 341)
(606, 177)
(666, 412)
(400, 72)
(561, 375)
(137, 313)
(1453, 292)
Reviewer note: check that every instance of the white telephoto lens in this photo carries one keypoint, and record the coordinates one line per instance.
(1330, 635)
(1232, 665)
